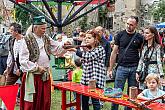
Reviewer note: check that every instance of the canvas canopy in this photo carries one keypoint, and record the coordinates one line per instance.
(51, 2)
(160, 25)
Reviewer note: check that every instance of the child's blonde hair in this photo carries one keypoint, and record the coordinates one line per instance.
(153, 76)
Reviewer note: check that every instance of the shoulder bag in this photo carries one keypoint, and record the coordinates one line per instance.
(123, 55)
(143, 74)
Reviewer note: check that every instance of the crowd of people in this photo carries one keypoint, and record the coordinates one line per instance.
(138, 55)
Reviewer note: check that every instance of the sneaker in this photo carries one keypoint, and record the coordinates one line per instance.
(72, 108)
(101, 104)
(18, 102)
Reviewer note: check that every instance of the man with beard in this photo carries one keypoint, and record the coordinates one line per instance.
(128, 60)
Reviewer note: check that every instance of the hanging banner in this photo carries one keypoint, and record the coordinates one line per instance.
(8, 95)
(93, 2)
(20, 1)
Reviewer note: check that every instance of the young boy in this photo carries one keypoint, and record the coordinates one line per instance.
(77, 73)
(153, 91)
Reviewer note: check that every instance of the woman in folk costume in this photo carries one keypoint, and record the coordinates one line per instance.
(35, 62)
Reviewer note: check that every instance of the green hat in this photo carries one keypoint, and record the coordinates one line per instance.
(39, 20)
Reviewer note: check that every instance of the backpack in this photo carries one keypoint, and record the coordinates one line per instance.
(4, 44)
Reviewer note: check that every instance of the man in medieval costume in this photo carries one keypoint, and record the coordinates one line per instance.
(35, 62)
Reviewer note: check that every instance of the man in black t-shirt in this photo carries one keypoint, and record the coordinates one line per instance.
(129, 61)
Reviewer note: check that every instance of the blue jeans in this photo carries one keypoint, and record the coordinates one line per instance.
(85, 104)
(74, 98)
(123, 74)
(3, 65)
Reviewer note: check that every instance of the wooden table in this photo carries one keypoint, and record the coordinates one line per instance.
(98, 94)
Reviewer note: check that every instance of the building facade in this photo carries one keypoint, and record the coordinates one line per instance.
(126, 8)
(6, 14)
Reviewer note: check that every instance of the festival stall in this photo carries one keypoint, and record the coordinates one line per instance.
(160, 25)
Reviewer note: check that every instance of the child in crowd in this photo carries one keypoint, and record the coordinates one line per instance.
(59, 38)
(162, 80)
(153, 83)
(77, 74)
(93, 59)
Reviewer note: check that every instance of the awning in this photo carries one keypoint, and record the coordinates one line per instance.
(51, 2)
(93, 2)
(160, 25)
